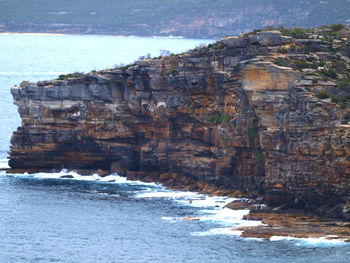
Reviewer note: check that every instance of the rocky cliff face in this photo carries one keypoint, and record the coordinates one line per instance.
(228, 114)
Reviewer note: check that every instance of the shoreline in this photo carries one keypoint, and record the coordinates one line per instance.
(276, 222)
(89, 34)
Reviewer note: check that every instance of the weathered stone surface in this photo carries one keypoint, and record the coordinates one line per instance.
(269, 38)
(225, 116)
(294, 224)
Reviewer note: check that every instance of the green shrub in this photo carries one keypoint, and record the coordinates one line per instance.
(343, 83)
(283, 50)
(323, 94)
(173, 73)
(346, 117)
(260, 158)
(252, 133)
(330, 73)
(294, 32)
(74, 75)
(336, 27)
(282, 62)
(299, 64)
(342, 99)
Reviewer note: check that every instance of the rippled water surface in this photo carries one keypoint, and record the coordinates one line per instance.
(44, 218)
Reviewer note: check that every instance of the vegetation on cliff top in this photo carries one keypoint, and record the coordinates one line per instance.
(323, 55)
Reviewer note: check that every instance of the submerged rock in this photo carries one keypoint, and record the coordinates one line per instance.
(68, 176)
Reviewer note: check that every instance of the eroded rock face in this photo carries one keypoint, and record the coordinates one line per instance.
(224, 114)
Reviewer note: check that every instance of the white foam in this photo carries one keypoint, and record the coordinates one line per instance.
(215, 210)
(165, 194)
(171, 219)
(229, 217)
(4, 164)
(188, 198)
(214, 206)
(218, 231)
(201, 200)
(311, 241)
(72, 175)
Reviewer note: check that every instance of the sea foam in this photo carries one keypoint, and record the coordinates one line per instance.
(73, 175)
(311, 241)
(211, 208)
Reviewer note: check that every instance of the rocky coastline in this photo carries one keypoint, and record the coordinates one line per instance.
(259, 115)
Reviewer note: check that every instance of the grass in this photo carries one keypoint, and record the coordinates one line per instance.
(219, 119)
(260, 158)
(252, 132)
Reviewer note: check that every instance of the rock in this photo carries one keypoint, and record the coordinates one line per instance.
(340, 211)
(102, 173)
(68, 176)
(294, 224)
(238, 205)
(235, 42)
(191, 219)
(270, 38)
(24, 83)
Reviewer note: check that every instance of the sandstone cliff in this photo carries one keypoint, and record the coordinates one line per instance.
(252, 113)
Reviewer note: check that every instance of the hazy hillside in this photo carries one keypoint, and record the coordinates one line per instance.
(191, 18)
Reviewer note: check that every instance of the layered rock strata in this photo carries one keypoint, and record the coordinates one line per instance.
(224, 114)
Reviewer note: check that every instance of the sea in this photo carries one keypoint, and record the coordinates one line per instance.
(45, 218)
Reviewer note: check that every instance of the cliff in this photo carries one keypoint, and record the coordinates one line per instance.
(190, 18)
(260, 113)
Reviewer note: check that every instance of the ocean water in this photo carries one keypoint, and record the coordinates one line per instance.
(44, 218)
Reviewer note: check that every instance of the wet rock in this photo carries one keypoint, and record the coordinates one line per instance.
(191, 219)
(68, 176)
(295, 224)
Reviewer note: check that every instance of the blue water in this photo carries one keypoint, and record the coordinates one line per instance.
(44, 218)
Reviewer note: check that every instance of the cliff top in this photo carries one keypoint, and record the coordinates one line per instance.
(321, 55)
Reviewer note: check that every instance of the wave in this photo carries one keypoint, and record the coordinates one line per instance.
(72, 175)
(218, 231)
(4, 164)
(229, 217)
(171, 219)
(211, 208)
(312, 241)
(166, 194)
